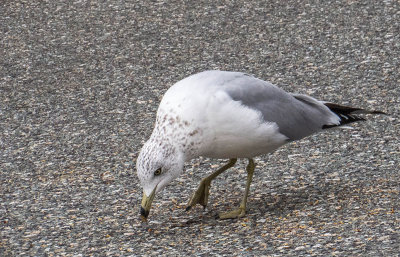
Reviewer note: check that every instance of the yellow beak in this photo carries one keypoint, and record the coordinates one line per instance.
(146, 204)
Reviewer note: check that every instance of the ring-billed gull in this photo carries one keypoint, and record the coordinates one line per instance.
(221, 114)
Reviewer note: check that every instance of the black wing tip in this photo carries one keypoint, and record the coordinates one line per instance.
(347, 114)
(342, 109)
(379, 112)
(344, 120)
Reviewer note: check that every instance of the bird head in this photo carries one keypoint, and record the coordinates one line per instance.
(157, 165)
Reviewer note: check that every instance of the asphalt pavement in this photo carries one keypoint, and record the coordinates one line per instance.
(80, 82)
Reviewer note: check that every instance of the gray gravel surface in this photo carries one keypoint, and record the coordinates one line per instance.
(80, 82)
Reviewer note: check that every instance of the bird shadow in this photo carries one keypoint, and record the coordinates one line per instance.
(277, 203)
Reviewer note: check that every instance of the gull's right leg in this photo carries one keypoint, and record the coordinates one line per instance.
(202, 192)
(241, 211)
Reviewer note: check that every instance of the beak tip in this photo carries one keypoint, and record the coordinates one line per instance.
(144, 213)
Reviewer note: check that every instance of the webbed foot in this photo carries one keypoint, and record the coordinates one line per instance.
(235, 214)
(201, 194)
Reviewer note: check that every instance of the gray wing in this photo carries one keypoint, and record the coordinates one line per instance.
(296, 115)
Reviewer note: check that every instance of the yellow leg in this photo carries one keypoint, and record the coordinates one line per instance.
(241, 211)
(202, 192)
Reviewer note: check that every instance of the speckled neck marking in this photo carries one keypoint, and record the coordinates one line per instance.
(171, 131)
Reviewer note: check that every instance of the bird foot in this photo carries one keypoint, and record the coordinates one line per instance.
(201, 195)
(235, 214)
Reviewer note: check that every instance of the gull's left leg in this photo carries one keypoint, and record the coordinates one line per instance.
(241, 211)
(202, 192)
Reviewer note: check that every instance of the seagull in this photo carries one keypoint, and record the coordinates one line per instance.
(227, 115)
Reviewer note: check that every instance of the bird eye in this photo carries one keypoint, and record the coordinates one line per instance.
(157, 172)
